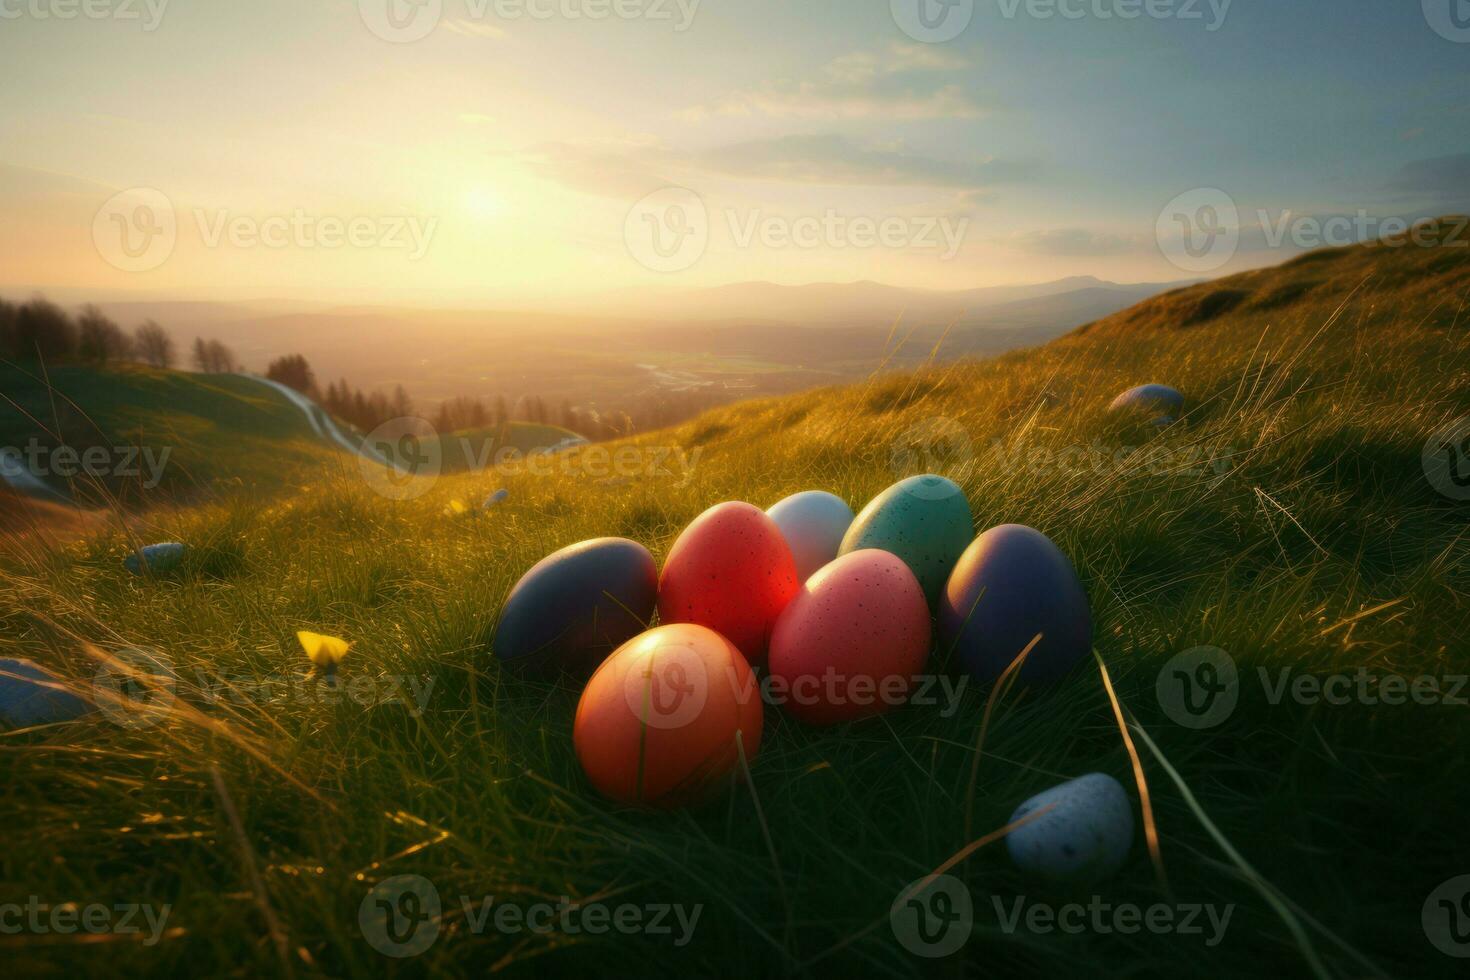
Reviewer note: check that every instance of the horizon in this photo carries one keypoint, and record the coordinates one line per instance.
(864, 146)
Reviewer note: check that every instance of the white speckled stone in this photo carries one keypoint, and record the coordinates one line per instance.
(26, 701)
(1084, 837)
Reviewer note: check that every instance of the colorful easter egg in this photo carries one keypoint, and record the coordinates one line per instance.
(1163, 402)
(499, 496)
(576, 605)
(813, 523)
(1011, 584)
(732, 571)
(925, 520)
(850, 643)
(31, 695)
(658, 722)
(1083, 837)
(158, 558)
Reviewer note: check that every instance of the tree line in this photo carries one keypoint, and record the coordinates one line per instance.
(40, 329)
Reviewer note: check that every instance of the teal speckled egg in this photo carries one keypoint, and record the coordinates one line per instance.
(924, 520)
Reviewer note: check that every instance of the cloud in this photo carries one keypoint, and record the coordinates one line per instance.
(832, 159)
(1074, 242)
(474, 28)
(1439, 183)
(903, 81)
(610, 169)
(635, 169)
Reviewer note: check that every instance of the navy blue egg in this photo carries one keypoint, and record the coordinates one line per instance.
(1011, 584)
(577, 605)
(31, 695)
(1166, 401)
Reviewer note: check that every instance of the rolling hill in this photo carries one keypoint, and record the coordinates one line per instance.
(140, 437)
(1293, 519)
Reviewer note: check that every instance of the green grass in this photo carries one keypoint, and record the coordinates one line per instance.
(1286, 520)
(470, 450)
(223, 433)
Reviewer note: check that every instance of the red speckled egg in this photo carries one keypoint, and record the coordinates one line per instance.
(730, 570)
(848, 646)
(658, 722)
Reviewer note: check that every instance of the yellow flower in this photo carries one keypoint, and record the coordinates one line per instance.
(325, 652)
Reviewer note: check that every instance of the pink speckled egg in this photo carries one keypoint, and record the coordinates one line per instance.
(850, 642)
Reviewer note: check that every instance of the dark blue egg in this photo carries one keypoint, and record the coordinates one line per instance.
(1167, 403)
(31, 695)
(1011, 584)
(577, 605)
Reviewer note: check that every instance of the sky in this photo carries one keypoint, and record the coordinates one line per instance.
(524, 152)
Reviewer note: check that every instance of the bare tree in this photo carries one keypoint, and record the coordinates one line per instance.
(100, 339)
(213, 357)
(153, 345)
(42, 329)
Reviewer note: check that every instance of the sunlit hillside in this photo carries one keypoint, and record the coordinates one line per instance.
(1293, 518)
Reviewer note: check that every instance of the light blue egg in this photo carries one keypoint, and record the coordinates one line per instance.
(497, 497)
(158, 558)
(1161, 399)
(924, 520)
(1084, 837)
(27, 697)
(813, 523)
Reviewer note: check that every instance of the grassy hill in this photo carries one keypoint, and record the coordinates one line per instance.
(167, 436)
(220, 432)
(1287, 520)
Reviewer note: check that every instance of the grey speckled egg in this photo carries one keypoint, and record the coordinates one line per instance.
(1165, 402)
(924, 520)
(159, 558)
(28, 699)
(1086, 835)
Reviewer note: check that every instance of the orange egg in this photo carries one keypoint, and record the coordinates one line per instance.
(658, 721)
(848, 646)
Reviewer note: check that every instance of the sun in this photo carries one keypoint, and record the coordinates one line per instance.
(483, 203)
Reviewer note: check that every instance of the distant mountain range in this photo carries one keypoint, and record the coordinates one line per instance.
(752, 337)
(865, 302)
